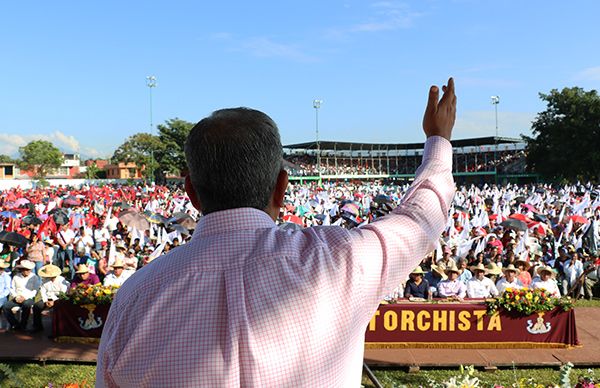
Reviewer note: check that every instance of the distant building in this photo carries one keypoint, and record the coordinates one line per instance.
(7, 171)
(70, 168)
(100, 163)
(123, 171)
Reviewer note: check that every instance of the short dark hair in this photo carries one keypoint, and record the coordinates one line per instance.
(234, 157)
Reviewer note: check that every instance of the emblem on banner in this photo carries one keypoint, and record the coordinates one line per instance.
(92, 321)
(539, 327)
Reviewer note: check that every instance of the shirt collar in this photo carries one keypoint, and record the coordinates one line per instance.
(230, 220)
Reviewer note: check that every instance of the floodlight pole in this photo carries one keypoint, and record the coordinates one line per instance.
(317, 105)
(151, 83)
(495, 102)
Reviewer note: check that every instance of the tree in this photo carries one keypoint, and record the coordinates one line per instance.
(41, 156)
(566, 136)
(92, 171)
(141, 149)
(6, 159)
(172, 135)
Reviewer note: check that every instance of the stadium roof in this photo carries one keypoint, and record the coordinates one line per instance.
(342, 145)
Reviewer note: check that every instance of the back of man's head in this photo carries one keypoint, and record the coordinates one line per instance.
(234, 157)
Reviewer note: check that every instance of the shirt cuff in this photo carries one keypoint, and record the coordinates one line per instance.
(437, 147)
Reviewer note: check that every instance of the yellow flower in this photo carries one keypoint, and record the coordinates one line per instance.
(517, 297)
(508, 289)
(108, 291)
(529, 296)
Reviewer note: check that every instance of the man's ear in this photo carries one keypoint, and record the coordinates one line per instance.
(280, 188)
(191, 192)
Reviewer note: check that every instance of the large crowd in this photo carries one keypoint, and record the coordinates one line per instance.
(496, 237)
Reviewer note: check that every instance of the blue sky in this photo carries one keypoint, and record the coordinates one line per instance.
(73, 72)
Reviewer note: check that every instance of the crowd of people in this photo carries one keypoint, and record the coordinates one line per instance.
(537, 236)
(503, 162)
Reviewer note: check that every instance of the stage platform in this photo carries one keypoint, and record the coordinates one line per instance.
(22, 347)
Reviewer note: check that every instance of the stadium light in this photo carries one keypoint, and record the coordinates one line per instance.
(151, 83)
(495, 102)
(317, 106)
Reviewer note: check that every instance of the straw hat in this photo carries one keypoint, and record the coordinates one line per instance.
(418, 271)
(82, 268)
(118, 263)
(493, 269)
(121, 245)
(526, 263)
(439, 269)
(512, 268)
(452, 268)
(479, 267)
(49, 271)
(4, 264)
(546, 268)
(26, 264)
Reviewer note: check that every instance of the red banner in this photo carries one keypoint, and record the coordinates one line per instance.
(78, 323)
(467, 325)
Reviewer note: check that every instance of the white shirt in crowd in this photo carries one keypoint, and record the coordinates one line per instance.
(50, 289)
(503, 284)
(26, 287)
(66, 237)
(101, 234)
(548, 285)
(112, 280)
(483, 288)
(86, 243)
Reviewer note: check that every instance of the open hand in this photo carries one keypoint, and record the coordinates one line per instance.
(440, 114)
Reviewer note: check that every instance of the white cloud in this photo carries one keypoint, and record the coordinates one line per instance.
(589, 74)
(483, 123)
(10, 143)
(388, 16)
(264, 47)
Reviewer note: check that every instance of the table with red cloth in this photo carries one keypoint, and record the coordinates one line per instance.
(441, 324)
(78, 323)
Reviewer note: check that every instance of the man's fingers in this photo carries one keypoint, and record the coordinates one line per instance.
(434, 95)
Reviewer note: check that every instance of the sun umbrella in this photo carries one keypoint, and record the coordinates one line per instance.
(122, 205)
(529, 207)
(351, 208)
(541, 218)
(180, 228)
(579, 220)
(9, 214)
(71, 201)
(133, 219)
(31, 220)
(520, 217)
(21, 202)
(512, 223)
(60, 217)
(13, 238)
(155, 218)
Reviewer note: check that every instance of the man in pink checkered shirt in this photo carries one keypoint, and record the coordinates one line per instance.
(245, 304)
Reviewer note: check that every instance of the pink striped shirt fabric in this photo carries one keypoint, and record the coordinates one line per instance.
(246, 304)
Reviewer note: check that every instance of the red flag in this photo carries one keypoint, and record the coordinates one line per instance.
(48, 227)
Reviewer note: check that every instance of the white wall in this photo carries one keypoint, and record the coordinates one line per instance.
(29, 183)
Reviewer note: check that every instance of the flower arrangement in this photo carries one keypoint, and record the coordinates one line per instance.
(90, 294)
(528, 301)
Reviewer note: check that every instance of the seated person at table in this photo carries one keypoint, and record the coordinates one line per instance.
(52, 285)
(509, 280)
(117, 276)
(434, 277)
(23, 288)
(480, 286)
(5, 281)
(524, 275)
(452, 287)
(546, 281)
(465, 274)
(84, 276)
(416, 286)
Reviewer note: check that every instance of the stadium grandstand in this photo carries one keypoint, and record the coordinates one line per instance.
(476, 160)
